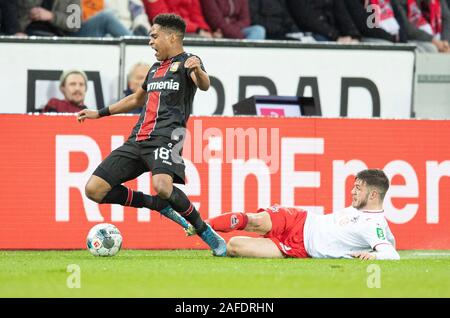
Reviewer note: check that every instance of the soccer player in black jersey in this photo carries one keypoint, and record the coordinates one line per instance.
(167, 93)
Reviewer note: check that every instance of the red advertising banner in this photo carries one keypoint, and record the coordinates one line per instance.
(232, 164)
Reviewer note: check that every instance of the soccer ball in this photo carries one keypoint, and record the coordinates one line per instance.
(104, 240)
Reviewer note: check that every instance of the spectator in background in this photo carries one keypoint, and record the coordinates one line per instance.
(328, 20)
(392, 24)
(232, 18)
(274, 16)
(9, 22)
(390, 27)
(135, 78)
(131, 13)
(423, 40)
(431, 17)
(189, 10)
(99, 22)
(73, 85)
(45, 17)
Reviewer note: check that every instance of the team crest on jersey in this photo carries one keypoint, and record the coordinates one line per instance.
(174, 66)
(234, 221)
(344, 221)
(274, 208)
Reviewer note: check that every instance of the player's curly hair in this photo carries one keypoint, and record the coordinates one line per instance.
(172, 22)
(375, 178)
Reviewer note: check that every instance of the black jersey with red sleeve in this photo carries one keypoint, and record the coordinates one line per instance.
(170, 94)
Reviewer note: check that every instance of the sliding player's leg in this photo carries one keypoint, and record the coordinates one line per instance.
(282, 229)
(259, 223)
(242, 246)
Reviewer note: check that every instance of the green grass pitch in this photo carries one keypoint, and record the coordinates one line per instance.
(194, 273)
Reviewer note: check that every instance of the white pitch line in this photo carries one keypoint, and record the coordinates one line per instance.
(432, 254)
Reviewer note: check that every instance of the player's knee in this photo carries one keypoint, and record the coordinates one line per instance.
(254, 221)
(257, 221)
(233, 247)
(93, 193)
(163, 188)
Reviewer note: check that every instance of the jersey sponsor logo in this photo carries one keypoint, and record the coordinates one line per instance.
(174, 67)
(354, 219)
(347, 220)
(380, 233)
(169, 85)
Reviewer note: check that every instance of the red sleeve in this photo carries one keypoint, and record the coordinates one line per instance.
(197, 18)
(154, 8)
(191, 25)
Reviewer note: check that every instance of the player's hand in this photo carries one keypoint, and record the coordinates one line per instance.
(40, 14)
(87, 114)
(218, 34)
(192, 62)
(440, 45)
(364, 255)
(344, 39)
(446, 46)
(205, 34)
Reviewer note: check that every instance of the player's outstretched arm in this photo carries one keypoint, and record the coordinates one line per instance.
(122, 106)
(199, 76)
(386, 251)
(382, 252)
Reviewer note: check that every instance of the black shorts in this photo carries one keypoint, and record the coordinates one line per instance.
(134, 158)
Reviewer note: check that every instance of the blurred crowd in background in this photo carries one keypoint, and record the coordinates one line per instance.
(425, 23)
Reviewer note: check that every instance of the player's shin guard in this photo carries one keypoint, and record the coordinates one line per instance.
(180, 203)
(155, 203)
(229, 222)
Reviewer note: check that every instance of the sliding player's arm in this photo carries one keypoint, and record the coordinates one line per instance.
(386, 251)
(375, 235)
(382, 252)
(390, 237)
(124, 105)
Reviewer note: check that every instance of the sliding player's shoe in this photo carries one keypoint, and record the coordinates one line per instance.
(214, 241)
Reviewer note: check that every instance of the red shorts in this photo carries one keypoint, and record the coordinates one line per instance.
(287, 230)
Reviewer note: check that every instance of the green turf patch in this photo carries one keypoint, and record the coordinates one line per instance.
(192, 273)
